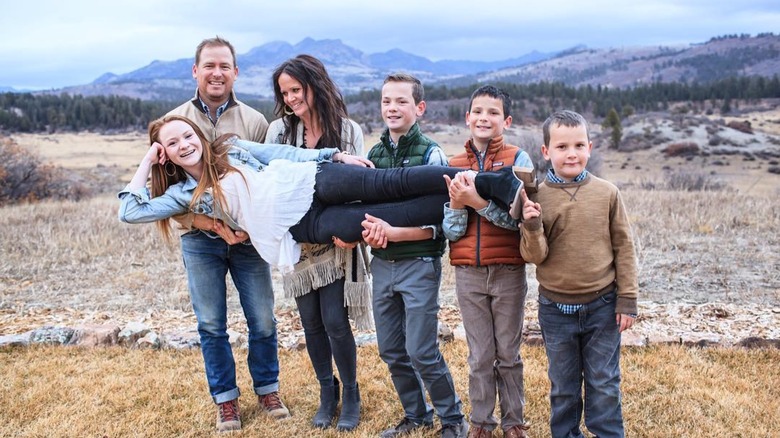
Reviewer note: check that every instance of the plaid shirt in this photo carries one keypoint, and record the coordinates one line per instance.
(220, 110)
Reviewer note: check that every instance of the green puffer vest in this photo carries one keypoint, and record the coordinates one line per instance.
(413, 150)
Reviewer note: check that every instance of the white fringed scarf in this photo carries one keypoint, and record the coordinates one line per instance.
(322, 264)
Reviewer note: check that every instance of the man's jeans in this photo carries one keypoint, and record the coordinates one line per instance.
(583, 344)
(208, 261)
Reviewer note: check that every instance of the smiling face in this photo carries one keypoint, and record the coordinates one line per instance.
(296, 96)
(399, 111)
(215, 72)
(486, 120)
(182, 146)
(568, 151)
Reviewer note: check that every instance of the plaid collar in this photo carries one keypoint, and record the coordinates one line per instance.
(552, 177)
(221, 109)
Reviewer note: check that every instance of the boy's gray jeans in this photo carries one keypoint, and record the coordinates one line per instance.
(406, 308)
(492, 304)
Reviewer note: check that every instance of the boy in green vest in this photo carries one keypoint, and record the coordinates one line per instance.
(490, 276)
(407, 274)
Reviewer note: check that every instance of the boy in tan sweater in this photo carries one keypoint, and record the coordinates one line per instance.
(578, 235)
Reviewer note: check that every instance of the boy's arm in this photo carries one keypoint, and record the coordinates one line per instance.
(624, 258)
(455, 222)
(624, 322)
(377, 233)
(456, 216)
(410, 234)
(463, 191)
(533, 243)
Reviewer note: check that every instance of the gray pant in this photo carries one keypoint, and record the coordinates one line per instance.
(406, 305)
(492, 304)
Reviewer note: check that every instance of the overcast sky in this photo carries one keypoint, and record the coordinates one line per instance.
(54, 43)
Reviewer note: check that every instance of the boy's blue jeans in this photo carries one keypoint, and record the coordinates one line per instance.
(208, 261)
(583, 346)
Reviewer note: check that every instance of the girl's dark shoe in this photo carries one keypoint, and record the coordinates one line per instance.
(350, 409)
(329, 400)
(504, 187)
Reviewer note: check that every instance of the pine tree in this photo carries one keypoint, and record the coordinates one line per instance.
(613, 122)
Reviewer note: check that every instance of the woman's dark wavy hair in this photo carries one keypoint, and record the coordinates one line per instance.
(329, 106)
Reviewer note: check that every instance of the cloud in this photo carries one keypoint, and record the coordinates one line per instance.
(53, 44)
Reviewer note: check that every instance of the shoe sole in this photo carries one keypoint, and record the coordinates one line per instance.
(528, 176)
(278, 416)
(229, 428)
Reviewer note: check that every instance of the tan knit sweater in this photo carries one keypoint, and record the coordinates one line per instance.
(582, 244)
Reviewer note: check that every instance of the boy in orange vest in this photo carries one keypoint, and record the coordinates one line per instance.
(490, 272)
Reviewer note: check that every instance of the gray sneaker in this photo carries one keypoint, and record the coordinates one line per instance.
(406, 426)
(459, 430)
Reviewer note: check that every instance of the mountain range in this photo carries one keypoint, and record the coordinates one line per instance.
(353, 70)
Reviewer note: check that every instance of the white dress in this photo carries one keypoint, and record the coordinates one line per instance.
(268, 204)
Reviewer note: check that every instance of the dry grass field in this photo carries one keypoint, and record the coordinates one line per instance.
(668, 391)
(709, 264)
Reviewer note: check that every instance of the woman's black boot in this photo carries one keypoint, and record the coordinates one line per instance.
(350, 409)
(504, 188)
(329, 400)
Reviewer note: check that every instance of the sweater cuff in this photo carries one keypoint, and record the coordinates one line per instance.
(533, 224)
(626, 306)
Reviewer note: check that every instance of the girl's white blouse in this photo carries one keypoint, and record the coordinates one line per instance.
(268, 204)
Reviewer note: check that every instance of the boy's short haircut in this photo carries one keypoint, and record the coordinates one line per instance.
(495, 93)
(217, 41)
(418, 93)
(566, 118)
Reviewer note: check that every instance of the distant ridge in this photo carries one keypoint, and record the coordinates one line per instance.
(353, 70)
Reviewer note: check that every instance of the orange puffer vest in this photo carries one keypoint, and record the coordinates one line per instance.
(485, 243)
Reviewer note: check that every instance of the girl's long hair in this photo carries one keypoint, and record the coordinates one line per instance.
(215, 166)
(329, 106)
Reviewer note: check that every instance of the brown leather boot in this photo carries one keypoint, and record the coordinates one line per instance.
(228, 416)
(517, 431)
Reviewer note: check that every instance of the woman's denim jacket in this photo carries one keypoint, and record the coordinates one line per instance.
(137, 206)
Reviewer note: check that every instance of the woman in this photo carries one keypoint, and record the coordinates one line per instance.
(329, 284)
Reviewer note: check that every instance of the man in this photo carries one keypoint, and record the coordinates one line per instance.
(208, 257)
